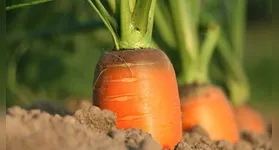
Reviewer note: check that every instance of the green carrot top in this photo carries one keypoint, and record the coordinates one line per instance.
(130, 22)
(195, 55)
(230, 47)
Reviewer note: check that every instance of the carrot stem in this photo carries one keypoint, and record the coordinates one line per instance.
(208, 47)
(230, 50)
(237, 25)
(183, 34)
(131, 22)
(26, 4)
(162, 19)
(125, 22)
(140, 15)
(151, 21)
(195, 56)
(236, 79)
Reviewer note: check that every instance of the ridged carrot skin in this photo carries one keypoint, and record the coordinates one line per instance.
(140, 87)
(208, 106)
(249, 119)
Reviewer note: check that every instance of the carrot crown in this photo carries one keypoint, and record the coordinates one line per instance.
(130, 22)
(195, 55)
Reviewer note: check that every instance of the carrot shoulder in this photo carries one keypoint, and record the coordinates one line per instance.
(140, 87)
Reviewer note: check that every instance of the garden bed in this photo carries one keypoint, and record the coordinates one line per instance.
(91, 128)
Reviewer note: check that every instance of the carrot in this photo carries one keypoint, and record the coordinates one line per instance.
(210, 108)
(202, 102)
(229, 59)
(134, 80)
(250, 119)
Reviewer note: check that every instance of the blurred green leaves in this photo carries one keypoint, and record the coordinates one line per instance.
(53, 49)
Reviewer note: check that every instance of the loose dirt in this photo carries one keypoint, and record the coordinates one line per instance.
(91, 128)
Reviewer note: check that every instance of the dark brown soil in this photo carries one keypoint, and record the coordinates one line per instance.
(92, 128)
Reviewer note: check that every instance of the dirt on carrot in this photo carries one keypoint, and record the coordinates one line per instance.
(94, 129)
(208, 106)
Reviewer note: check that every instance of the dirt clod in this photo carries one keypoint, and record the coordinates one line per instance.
(136, 139)
(182, 146)
(198, 139)
(258, 141)
(223, 145)
(94, 117)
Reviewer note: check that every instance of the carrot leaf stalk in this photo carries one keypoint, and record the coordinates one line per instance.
(26, 4)
(236, 79)
(230, 53)
(208, 47)
(237, 25)
(195, 54)
(130, 23)
(162, 22)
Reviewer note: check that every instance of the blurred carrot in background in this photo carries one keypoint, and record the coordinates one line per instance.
(229, 59)
(202, 102)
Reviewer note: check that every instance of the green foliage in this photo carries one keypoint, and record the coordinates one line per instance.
(46, 63)
(130, 22)
(55, 46)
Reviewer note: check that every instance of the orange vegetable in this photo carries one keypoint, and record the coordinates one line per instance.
(201, 102)
(140, 87)
(208, 106)
(249, 119)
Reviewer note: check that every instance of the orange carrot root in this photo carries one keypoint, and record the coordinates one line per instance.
(249, 119)
(208, 106)
(140, 87)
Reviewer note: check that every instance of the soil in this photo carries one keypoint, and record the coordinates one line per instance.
(94, 129)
